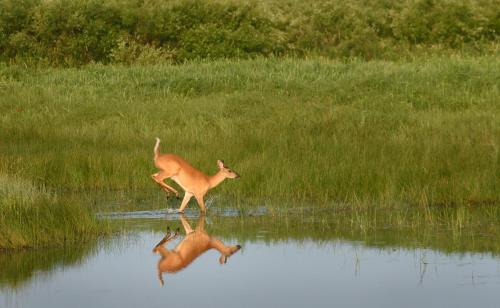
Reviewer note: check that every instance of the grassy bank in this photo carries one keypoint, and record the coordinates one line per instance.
(31, 216)
(385, 133)
(69, 32)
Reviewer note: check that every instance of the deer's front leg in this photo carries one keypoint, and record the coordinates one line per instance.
(187, 197)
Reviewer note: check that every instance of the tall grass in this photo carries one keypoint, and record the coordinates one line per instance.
(31, 216)
(373, 133)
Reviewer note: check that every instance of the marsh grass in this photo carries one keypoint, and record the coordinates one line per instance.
(31, 216)
(318, 131)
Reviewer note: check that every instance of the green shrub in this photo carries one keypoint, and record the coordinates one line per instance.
(199, 29)
(450, 23)
(341, 30)
(75, 32)
(15, 20)
(129, 50)
(70, 32)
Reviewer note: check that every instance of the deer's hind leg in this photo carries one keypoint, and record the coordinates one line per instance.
(201, 202)
(159, 177)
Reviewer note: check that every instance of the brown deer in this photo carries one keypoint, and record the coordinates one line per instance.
(193, 181)
(195, 243)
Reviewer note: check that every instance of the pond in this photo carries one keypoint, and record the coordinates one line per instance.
(256, 260)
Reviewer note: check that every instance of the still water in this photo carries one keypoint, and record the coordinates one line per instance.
(202, 266)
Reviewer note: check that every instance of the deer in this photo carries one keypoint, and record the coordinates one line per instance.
(193, 181)
(195, 243)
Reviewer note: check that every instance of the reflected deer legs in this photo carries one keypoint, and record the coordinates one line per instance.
(167, 238)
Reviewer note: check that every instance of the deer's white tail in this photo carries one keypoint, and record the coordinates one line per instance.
(157, 148)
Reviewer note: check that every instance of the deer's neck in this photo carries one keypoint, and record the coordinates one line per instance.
(218, 245)
(216, 179)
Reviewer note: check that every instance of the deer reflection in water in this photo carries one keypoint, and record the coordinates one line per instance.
(195, 243)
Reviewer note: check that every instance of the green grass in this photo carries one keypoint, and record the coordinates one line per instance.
(31, 216)
(384, 134)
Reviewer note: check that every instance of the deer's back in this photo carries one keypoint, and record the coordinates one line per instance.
(172, 163)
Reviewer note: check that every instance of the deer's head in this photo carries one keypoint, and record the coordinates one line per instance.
(232, 250)
(226, 171)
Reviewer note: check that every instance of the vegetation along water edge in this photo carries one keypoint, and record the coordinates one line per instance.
(352, 105)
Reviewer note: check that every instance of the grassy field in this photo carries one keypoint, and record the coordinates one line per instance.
(31, 216)
(385, 134)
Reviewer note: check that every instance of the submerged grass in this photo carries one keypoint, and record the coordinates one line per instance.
(31, 216)
(446, 229)
(364, 133)
(21, 266)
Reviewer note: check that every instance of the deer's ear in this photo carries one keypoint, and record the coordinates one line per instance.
(222, 259)
(220, 164)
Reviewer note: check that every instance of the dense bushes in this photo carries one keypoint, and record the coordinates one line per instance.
(70, 32)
